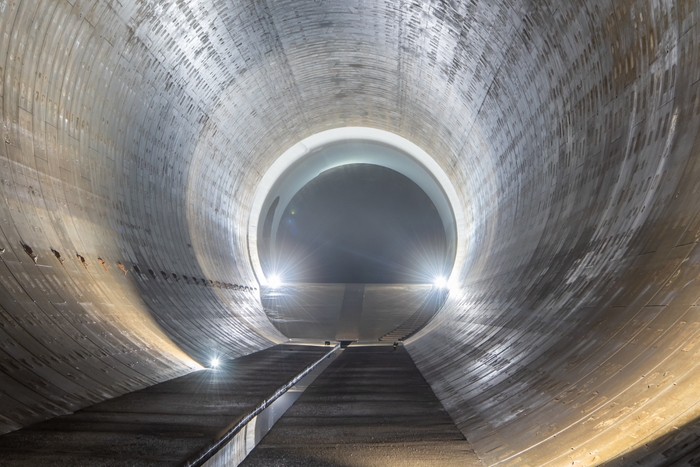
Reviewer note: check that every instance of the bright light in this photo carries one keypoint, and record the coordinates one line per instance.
(440, 282)
(214, 362)
(274, 281)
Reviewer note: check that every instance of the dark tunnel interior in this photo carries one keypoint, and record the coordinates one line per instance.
(360, 223)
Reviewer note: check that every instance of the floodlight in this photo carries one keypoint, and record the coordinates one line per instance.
(274, 281)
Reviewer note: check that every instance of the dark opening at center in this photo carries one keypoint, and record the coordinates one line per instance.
(358, 223)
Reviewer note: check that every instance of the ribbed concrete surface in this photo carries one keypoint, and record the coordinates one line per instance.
(163, 425)
(370, 407)
(134, 134)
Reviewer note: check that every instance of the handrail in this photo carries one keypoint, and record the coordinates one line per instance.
(228, 436)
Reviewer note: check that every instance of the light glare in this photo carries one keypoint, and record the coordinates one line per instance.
(440, 282)
(214, 362)
(274, 281)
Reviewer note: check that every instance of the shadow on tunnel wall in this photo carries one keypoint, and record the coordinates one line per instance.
(680, 447)
(223, 307)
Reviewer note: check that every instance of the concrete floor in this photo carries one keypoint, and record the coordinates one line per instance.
(319, 312)
(163, 425)
(370, 407)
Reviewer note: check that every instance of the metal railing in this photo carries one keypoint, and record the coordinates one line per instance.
(201, 458)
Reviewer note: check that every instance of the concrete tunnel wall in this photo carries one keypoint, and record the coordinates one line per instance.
(135, 134)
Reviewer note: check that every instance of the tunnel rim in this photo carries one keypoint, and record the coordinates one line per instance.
(311, 144)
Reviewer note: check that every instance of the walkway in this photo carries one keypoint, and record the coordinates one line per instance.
(163, 425)
(370, 407)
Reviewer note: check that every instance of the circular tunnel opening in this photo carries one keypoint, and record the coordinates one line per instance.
(356, 223)
(369, 207)
(354, 235)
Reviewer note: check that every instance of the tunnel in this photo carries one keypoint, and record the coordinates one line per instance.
(143, 141)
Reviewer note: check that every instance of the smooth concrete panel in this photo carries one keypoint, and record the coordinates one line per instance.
(369, 313)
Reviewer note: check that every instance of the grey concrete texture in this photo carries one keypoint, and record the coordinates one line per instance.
(135, 133)
(316, 312)
(163, 425)
(370, 407)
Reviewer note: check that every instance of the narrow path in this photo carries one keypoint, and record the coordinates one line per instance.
(370, 407)
(163, 425)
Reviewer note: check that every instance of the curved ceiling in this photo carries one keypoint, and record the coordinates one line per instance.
(136, 134)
